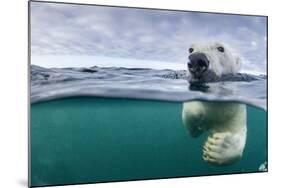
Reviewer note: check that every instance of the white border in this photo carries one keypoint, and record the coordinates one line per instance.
(13, 127)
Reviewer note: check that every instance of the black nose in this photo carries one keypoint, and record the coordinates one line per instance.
(198, 63)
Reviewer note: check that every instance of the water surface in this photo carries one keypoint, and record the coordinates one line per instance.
(142, 83)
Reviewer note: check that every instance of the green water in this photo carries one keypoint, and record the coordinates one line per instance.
(87, 140)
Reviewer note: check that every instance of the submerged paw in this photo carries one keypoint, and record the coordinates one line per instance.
(219, 149)
(194, 119)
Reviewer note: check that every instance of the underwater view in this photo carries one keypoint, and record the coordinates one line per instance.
(92, 139)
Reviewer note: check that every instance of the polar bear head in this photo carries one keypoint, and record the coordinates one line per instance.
(207, 62)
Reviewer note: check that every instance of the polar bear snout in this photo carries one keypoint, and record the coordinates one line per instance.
(198, 64)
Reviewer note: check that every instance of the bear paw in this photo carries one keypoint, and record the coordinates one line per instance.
(224, 148)
(193, 116)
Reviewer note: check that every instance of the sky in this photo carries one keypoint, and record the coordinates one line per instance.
(67, 35)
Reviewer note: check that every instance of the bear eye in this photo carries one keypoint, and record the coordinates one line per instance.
(190, 50)
(221, 49)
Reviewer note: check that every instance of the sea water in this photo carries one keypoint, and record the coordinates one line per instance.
(142, 83)
(91, 139)
(115, 124)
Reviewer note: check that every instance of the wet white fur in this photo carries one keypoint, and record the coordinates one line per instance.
(225, 122)
(220, 63)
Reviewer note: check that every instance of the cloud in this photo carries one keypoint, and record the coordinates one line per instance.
(64, 29)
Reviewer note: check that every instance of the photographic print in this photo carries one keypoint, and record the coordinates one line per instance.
(128, 93)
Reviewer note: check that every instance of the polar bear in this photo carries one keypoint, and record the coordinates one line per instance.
(225, 122)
